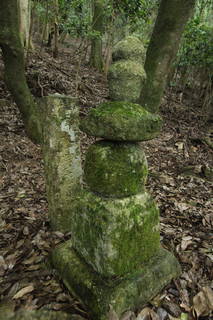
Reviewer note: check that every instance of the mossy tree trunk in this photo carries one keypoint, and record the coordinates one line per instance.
(13, 56)
(171, 20)
(96, 58)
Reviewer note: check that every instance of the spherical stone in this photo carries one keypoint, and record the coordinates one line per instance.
(130, 48)
(126, 79)
(115, 236)
(115, 169)
(121, 121)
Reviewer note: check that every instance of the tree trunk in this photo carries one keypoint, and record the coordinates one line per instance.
(25, 17)
(96, 58)
(169, 26)
(13, 56)
(56, 29)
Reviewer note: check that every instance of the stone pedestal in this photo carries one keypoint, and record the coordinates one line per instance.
(97, 293)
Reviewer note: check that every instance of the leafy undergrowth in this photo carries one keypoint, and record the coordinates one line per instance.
(179, 163)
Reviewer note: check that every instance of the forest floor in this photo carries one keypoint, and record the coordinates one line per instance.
(180, 179)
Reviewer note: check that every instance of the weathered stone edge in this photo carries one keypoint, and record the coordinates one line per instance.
(122, 294)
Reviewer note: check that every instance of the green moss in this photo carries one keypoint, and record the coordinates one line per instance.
(115, 236)
(126, 68)
(131, 48)
(127, 293)
(126, 78)
(122, 121)
(115, 169)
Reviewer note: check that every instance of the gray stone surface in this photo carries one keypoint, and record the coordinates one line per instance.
(62, 159)
(121, 121)
(115, 236)
(130, 48)
(128, 293)
(126, 78)
(115, 169)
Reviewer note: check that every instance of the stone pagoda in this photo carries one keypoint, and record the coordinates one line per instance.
(114, 258)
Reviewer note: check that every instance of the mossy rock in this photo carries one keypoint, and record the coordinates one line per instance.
(126, 78)
(122, 121)
(130, 48)
(127, 293)
(115, 236)
(115, 169)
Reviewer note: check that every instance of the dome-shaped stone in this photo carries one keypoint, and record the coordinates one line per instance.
(130, 48)
(115, 169)
(126, 79)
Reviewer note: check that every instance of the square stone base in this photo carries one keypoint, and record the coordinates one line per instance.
(126, 293)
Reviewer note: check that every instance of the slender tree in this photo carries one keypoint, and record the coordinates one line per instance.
(13, 56)
(25, 17)
(56, 29)
(96, 58)
(171, 20)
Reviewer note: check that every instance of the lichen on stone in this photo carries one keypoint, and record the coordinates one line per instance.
(115, 169)
(122, 293)
(121, 121)
(130, 48)
(126, 78)
(62, 158)
(115, 236)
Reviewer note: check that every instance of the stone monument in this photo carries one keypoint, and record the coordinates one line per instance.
(114, 259)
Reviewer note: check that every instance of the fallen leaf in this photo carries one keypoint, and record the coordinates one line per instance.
(186, 241)
(179, 145)
(147, 314)
(203, 302)
(112, 315)
(23, 291)
(128, 315)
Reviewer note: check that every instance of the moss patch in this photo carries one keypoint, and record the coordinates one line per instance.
(122, 121)
(131, 48)
(126, 79)
(115, 236)
(115, 169)
(97, 292)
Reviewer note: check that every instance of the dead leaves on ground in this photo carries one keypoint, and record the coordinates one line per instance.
(185, 202)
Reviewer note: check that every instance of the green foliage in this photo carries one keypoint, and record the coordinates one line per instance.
(136, 9)
(76, 17)
(197, 45)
